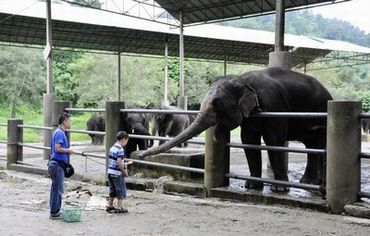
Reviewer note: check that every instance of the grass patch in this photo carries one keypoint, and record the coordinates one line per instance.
(34, 116)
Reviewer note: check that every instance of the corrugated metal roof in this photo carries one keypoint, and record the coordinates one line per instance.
(82, 28)
(209, 10)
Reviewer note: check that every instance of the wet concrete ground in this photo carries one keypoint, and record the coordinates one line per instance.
(238, 165)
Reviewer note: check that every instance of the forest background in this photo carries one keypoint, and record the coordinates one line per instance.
(88, 80)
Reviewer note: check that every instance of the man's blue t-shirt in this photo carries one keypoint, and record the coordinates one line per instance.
(59, 137)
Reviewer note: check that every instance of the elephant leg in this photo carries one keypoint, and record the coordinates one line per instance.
(253, 157)
(277, 159)
(315, 172)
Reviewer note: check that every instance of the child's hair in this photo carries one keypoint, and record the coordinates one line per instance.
(121, 135)
(62, 117)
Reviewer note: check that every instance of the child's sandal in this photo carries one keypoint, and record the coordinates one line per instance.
(120, 211)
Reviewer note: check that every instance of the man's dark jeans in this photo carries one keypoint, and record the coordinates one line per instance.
(56, 192)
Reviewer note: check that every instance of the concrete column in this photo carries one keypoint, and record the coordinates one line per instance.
(217, 160)
(48, 101)
(113, 123)
(14, 152)
(58, 108)
(280, 59)
(343, 147)
(182, 101)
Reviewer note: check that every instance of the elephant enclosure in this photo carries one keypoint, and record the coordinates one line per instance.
(238, 164)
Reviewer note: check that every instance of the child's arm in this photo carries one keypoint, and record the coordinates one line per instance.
(121, 167)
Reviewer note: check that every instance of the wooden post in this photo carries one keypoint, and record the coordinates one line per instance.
(14, 152)
(113, 123)
(343, 147)
(217, 160)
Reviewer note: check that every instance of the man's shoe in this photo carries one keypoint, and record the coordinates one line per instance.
(56, 216)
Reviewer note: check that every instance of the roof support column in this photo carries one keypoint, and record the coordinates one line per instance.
(165, 93)
(225, 67)
(182, 99)
(119, 76)
(280, 57)
(49, 96)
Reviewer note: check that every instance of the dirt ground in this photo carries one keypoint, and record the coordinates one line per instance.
(24, 211)
(24, 208)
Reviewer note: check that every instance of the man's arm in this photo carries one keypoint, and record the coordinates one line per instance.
(59, 149)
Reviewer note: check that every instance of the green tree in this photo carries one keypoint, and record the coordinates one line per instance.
(65, 83)
(22, 78)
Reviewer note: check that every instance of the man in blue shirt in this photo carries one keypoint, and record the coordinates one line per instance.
(116, 173)
(60, 151)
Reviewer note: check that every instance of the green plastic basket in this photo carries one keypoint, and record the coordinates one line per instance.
(71, 213)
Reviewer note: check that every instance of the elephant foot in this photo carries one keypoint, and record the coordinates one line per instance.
(279, 188)
(253, 185)
(310, 180)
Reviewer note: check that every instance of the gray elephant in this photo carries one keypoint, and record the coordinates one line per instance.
(169, 124)
(231, 100)
(365, 123)
(96, 123)
(136, 123)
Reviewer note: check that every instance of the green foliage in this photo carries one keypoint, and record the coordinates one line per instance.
(64, 82)
(21, 77)
(91, 3)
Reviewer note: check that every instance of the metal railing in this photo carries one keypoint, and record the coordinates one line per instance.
(152, 111)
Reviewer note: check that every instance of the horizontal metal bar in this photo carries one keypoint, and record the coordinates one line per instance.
(158, 111)
(276, 148)
(33, 146)
(272, 181)
(5, 142)
(86, 131)
(84, 109)
(149, 163)
(86, 153)
(34, 127)
(25, 163)
(365, 115)
(4, 125)
(364, 155)
(194, 141)
(290, 114)
(364, 194)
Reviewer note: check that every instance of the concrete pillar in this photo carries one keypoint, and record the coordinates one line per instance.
(48, 101)
(343, 148)
(14, 152)
(113, 123)
(182, 101)
(280, 59)
(58, 108)
(217, 160)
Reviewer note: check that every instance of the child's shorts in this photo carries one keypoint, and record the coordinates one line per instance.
(117, 186)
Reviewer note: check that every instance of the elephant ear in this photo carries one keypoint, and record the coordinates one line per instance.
(248, 101)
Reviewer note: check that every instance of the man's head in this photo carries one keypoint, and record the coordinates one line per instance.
(122, 138)
(64, 120)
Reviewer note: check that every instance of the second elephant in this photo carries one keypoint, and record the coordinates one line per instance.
(169, 124)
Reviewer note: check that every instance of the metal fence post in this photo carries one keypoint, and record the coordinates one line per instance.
(113, 124)
(14, 151)
(343, 148)
(217, 160)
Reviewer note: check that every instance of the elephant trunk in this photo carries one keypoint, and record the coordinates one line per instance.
(201, 123)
